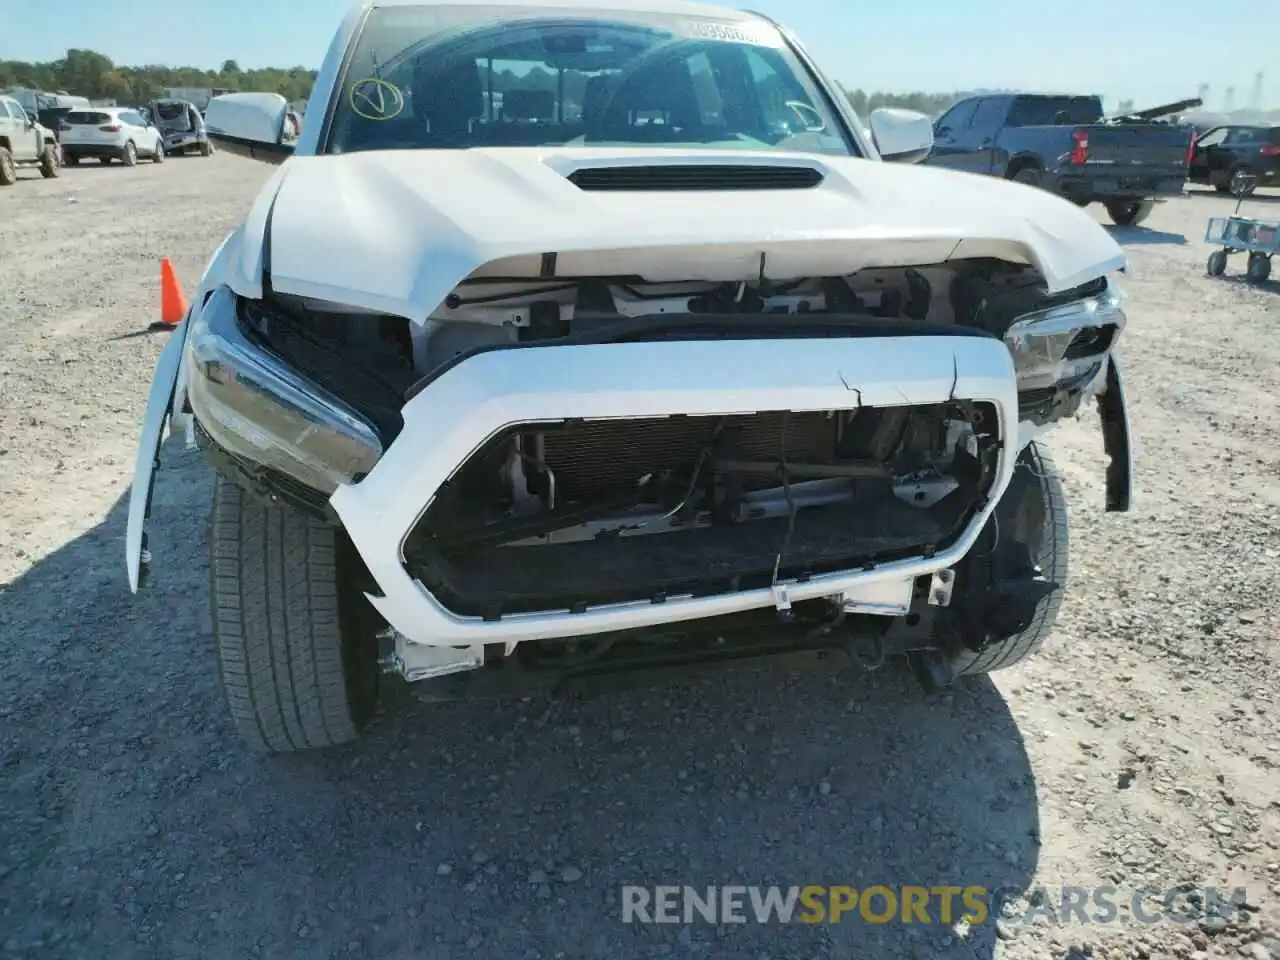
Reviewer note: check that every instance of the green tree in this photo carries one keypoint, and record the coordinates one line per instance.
(89, 74)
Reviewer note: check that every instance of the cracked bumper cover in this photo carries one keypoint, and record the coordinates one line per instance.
(459, 411)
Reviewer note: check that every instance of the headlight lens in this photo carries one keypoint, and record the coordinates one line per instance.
(1063, 342)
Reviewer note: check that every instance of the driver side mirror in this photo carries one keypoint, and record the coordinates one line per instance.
(251, 125)
(901, 136)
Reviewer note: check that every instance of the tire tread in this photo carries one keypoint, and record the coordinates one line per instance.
(277, 625)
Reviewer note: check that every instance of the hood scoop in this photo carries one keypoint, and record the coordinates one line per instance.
(702, 176)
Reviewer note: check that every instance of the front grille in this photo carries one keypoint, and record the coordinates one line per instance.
(606, 458)
(704, 176)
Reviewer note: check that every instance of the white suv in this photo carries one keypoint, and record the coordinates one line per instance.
(110, 133)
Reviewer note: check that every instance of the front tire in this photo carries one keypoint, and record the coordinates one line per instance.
(49, 162)
(296, 644)
(1217, 263)
(1034, 510)
(1258, 269)
(1129, 213)
(8, 171)
(1241, 183)
(130, 156)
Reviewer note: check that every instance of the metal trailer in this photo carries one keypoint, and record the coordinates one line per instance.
(1260, 239)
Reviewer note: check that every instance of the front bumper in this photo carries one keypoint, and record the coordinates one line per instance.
(459, 411)
(286, 429)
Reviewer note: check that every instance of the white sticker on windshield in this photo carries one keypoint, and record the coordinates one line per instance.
(757, 34)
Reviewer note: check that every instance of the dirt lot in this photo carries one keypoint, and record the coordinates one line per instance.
(1140, 749)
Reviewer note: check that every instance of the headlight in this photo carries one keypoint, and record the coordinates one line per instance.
(1062, 343)
(261, 410)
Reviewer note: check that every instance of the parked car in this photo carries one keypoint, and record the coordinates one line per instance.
(24, 142)
(110, 133)
(494, 402)
(1237, 158)
(182, 126)
(1062, 144)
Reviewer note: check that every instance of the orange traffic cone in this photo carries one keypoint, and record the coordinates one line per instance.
(173, 305)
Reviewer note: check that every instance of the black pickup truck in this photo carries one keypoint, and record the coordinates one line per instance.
(1064, 144)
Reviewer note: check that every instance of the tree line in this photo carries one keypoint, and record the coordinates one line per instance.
(87, 73)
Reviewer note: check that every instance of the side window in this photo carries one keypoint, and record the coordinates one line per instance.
(1213, 137)
(4, 110)
(958, 117)
(132, 118)
(990, 114)
(1242, 136)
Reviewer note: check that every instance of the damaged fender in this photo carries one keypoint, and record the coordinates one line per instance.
(159, 407)
(1117, 439)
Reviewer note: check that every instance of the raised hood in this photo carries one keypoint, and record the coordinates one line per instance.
(396, 231)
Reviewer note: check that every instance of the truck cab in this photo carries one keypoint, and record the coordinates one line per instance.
(23, 141)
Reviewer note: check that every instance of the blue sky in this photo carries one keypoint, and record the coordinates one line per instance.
(1151, 50)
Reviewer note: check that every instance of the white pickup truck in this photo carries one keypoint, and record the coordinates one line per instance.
(661, 358)
(24, 142)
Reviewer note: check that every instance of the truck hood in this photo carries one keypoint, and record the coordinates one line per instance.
(396, 231)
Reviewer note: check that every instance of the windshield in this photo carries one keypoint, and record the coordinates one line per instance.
(478, 76)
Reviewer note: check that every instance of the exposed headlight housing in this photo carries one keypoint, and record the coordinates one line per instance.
(1064, 343)
(259, 409)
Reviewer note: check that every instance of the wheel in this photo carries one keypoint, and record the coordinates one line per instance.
(71, 160)
(8, 172)
(1129, 213)
(205, 149)
(296, 641)
(1028, 175)
(1217, 264)
(1259, 268)
(49, 162)
(130, 157)
(1033, 511)
(158, 157)
(1240, 184)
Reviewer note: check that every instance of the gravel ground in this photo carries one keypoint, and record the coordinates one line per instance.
(1140, 748)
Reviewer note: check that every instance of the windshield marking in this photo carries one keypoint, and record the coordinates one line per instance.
(376, 99)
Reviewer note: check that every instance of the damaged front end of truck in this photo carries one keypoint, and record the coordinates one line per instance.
(550, 460)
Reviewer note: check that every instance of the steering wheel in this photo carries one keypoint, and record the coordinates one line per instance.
(810, 119)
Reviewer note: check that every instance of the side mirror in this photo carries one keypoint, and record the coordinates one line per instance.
(251, 125)
(943, 131)
(901, 136)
